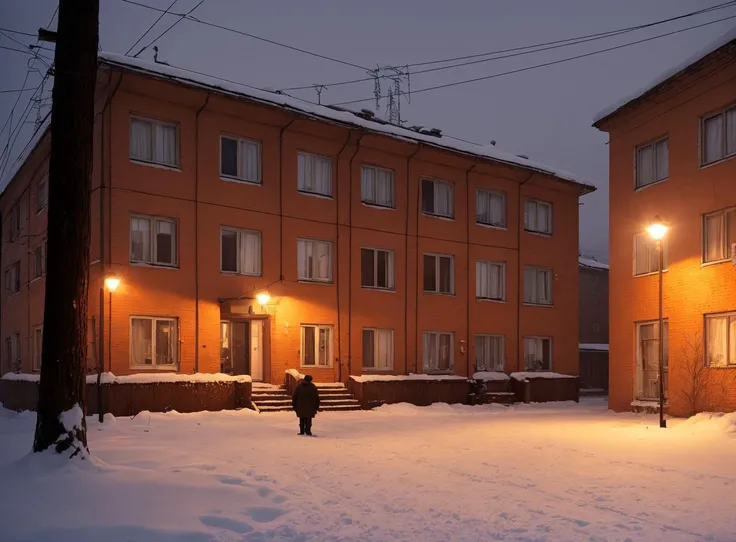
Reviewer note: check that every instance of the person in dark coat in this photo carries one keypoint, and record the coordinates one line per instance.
(305, 403)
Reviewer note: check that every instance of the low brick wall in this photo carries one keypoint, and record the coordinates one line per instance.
(416, 392)
(128, 399)
(542, 389)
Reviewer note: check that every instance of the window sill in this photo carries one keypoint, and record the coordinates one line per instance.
(449, 372)
(236, 274)
(539, 233)
(490, 226)
(644, 187)
(490, 300)
(35, 279)
(155, 266)
(41, 210)
(714, 262)
(722, 367)
(237, 180)
(153, 367)
(373, 371)
(445, 294)
(716, 162)
(440, 217)
(652, 274)
(322, 282)
(176, 169)
(545, 305)
(379, 289)
(315, 195)
(315, 366)
(378, 206)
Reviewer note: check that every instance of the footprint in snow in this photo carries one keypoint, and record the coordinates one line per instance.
(264, 514)
(233, 525)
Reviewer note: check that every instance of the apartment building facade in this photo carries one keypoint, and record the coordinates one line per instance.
(593, 280)
(252, 233)
(671, 151)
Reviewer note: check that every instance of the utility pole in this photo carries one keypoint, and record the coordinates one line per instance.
(60, 422)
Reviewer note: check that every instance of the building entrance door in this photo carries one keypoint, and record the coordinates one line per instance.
(241, 348)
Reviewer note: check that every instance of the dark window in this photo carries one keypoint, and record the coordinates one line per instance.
(367, 267)
(229, 251)
(427, 196)
(368, 355)
(229, 157)
(430, 277)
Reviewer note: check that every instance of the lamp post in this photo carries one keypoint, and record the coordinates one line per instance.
(657, 230)
(111, 284)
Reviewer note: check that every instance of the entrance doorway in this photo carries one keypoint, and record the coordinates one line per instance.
(647, 360)
(241, 347)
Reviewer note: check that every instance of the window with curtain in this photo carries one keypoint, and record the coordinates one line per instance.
(316, 348)
(240, 159)
(37, 347)
(153, 342)
(42, 193)
(378, 349)
(153, 240)
(537, 353)
(719, 235)
(718, 136)
(537, 285)
(314, 260)
(240, 251)
(490, 280)
(538, 216)
(490, 208)
(720, 333)
(376, 268)
(646, 256)
(489, 353)
(438, 198)
(377, 186)
(439, 274)
(437, 349)
(314, 174)
(154, 141)
(12, 278)
(652, 162)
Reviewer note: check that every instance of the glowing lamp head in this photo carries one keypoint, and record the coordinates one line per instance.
(263, 298)
(657, 229)
(112, 283)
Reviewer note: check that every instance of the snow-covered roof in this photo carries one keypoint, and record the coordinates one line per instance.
(597, 347)
(335, 115)
(712, 47)
(591, 263)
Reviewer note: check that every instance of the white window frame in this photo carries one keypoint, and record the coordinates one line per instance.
(39, 261)
(240, 248)
(502, 278)
(653, 255)
(500, 364)
(437, 257)
(723, 113)
(302, 273)
(489, 194)
(549, 278)
(240, 176)
(435, 184)
(154, 122)
(37, 349)
(42, 202)
(640, 386)
(551, 351)
(302, 186)
(390, 178)
(154, 221)
(12, 278)
(154, 365)
(377, 332)
(729, 358)
(724, 215)
(317, 328)
(659, 176)
(390, 272)
(431, 370)
(537, 203)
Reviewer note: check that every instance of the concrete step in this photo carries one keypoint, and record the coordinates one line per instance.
(502, 397)
(341, 408)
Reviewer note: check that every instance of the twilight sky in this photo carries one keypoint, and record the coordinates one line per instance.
(544, 113)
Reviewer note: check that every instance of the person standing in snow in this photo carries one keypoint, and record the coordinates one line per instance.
(305, 403)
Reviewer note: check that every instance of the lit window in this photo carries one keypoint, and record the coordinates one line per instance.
(316, 346)
(153, 342)
(719, 235)
(720, 332)
(314, 260)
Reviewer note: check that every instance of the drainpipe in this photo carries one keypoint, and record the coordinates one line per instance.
(416, 243)
(196, 233)
(406, 265)
(467, 268)
(350, 255)
(281, 198)
(520, 272)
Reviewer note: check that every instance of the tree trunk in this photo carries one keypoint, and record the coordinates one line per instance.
(60, 421)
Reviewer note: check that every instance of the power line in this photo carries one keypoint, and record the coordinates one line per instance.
(253, 36)
(150, 27)
(30, 34)
(162, 34)
(7, 91)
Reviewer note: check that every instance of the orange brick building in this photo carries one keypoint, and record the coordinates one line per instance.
(671, 154)
(380, 249)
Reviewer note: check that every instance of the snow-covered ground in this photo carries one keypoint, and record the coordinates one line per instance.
(561, 472)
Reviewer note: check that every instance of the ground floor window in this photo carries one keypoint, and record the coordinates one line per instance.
(12, 351)
(378, 349)
(316, 348)
(153, 342)
(537, 353)
(489, 353)
(37, 347)
(720, 333)
(647, 359)
(438, 351)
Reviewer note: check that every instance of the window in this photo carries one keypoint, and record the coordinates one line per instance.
(720, 333)
(538, 216)
(646, 256)
(39, 261)
(377, 186)
(719, 136)
(240, 159)
(647, 359)
(652, 162)
(37, 348)
(17, 216)
(12, 278)
(537, 354)
(154, 142)
(42, 193)
(153, 342)
(378, 349)
(153, 240)
(489, 353)
(439, 274)
(240, 251)
(537, 285)
(490, 280)
(314, 260)
(315, 174)
(377, 268)
(12, 351)
(316, 346)
(438, 351)
(490, 208)
(437, 198)
(719, 234)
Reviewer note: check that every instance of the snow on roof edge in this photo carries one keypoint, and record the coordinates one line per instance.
(322, 112)
(665, 76)
(591, 263)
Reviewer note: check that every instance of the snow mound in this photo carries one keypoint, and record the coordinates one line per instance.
(711, 421)
(142, 378)
(524, 375)
(72, 418)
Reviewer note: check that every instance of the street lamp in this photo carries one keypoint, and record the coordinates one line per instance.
(657, 230)
(111, 283)
(263, 298)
